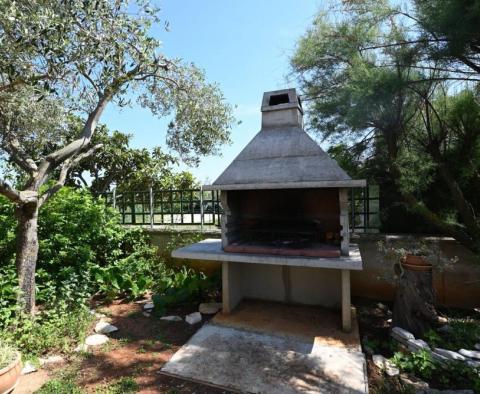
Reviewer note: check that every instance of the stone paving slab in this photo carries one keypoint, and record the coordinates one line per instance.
(261, 363)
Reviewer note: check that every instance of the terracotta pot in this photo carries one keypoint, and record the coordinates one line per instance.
(10, 375)
(413, 267)
(411, 259)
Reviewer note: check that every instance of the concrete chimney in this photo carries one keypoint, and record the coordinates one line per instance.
(282, 108)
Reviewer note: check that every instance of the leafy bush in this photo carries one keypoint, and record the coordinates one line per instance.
(80, 236)
(53, 330)
(179, 286)
(177, 240)
(450, 375)
(462, 334)
(83, 250)
(59, 386)
(8, 354)
(420, 363)
(8, 293)
(126, 385)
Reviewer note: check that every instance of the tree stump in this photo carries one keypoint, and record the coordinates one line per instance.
(414, 305)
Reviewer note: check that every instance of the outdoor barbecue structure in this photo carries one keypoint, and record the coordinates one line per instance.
(285, 222)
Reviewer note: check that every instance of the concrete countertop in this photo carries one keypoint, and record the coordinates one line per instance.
(211, 249)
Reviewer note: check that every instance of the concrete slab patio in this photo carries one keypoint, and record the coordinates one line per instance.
(308, 355)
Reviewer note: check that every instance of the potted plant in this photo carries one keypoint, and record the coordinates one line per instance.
(415, 258)
(10, 368)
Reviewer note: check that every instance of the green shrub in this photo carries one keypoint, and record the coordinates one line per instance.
(182, 285)
(420, 363)
(462, 334)
(126, 385)
(8, 354)
(53, 330)
(83, 250)
(176, 240)
(450, 375)
(60, 386)
(8, 294)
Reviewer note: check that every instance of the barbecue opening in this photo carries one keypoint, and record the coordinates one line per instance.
(291, 222)
(279, 99)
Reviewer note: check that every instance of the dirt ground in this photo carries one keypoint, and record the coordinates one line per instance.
(140, 347)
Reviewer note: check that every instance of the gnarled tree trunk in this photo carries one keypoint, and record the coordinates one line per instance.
(414, 305)
(27, 252)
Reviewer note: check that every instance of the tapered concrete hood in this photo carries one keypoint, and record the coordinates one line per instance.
(282, 155)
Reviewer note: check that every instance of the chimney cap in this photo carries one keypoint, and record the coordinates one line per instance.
(276, 100)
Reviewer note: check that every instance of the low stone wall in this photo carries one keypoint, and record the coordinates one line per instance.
(457, 285)
(161, 235)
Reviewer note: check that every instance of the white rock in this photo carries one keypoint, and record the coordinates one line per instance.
(470, 353)
(103, 327)
(442, 320)
(148, 306)
(415, 382)
(28, 368)
(438, 357)
(51, 360)
(96, 340)
(460, 391)
(477, 346)
(385, 365)
(473, 363)
(382, 306)
(146, 314)
(379, 360)
(400, 339)
(209, 308)
(83, 347)
(417, 344)
(171, 318)
(391, 370)
(449, 354)
(403, 333)
(193, 318)
(100, 315)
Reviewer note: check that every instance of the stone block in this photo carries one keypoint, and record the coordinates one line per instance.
(449, 354)
(402, 333)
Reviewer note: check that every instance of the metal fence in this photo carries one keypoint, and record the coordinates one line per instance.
(168, 207)
(364, 208)
(201, 207)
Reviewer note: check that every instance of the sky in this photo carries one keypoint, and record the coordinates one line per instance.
(242, 45)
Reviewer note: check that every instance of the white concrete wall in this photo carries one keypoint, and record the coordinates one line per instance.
(311, 286)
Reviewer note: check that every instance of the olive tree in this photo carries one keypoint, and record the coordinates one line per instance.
(73, 58)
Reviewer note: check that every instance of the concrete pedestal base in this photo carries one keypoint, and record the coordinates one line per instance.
(297, 285)
(297, 280)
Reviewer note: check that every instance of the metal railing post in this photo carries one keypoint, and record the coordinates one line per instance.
(201, 208)
(114, 197)
(151, 207)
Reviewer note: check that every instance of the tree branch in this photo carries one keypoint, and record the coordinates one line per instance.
(21, 81)
(61, 155)
(12, 146)
(9, 192)
(67, 165)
